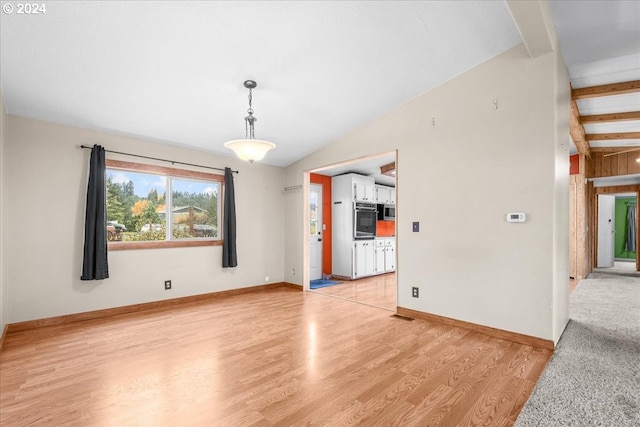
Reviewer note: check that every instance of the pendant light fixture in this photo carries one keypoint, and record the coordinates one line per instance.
(250, 149)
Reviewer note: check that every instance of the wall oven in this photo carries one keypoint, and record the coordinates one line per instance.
(365, 216)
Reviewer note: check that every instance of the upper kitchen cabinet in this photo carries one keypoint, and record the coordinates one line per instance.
(364, 191)
(385, 195)
(359, 188)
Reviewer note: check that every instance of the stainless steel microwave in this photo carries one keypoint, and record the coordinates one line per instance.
(389, 212)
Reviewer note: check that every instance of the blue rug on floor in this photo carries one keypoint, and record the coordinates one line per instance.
(321, 283)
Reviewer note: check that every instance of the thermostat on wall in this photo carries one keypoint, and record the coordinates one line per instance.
(516, 217)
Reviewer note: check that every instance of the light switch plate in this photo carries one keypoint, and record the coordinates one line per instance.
(416, 226)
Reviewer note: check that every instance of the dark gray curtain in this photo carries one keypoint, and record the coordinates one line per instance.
(630, 244)
(229, 255)
(94, 262)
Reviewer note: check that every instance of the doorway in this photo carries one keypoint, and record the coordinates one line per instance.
(376, 288)
(606, 230)
(316, 227)
(617, 234)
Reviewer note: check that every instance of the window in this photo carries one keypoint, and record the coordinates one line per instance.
(155, 207)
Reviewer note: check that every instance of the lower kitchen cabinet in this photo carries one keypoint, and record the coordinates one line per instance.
(380, 256)
(371, 257)
(389, 255)
(363, 258)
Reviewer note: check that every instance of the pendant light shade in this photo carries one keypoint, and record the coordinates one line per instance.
(250, 149)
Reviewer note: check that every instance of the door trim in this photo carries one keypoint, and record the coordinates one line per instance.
(593, 218)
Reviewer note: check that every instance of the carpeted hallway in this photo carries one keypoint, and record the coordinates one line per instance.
(593, 378)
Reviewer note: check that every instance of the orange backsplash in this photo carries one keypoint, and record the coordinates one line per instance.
(386, 229)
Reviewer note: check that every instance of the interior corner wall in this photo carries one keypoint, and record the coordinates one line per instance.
(562, 143)
(46, 174)
(4, 300)
(465, 173)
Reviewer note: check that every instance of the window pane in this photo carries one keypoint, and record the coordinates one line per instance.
(135, 206)
(194, 212)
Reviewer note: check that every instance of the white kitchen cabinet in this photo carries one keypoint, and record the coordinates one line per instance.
(364, 191)
(389, 255)
(353, 187)
(345, 190)
(363, 258)
(380, 254)
(383, 194)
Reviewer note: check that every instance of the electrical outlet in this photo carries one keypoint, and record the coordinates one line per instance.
(167, 285)
(293, 271)
(266, 278)
(415, 292)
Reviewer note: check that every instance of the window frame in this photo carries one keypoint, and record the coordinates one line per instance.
(170, 173)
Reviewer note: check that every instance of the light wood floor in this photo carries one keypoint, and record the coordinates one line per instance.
(273, 358)
(379, 291)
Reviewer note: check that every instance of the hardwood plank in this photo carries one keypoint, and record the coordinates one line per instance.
(590, 167)
(493, 332)
(276, 357)
(378, 291)
(4, 334)
(598, 164)
(632, 165)
(613, 169)
(134, 308)
(622, 164)
(606, 166)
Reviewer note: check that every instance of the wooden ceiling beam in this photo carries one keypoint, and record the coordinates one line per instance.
(606, 90)
(613, 117)
(389, 169)
(612, 136)
(616, 149)
(576, 130)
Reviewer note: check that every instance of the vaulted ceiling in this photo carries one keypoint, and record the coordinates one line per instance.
(173, 71)
(600, 42)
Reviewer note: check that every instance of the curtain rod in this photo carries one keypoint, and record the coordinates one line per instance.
(162, 160)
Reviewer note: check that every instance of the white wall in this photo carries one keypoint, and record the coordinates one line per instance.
(46, 181)
(4, 301)
(561, 217)
(459, 178)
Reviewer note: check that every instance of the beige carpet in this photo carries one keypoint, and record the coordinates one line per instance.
(593, 378)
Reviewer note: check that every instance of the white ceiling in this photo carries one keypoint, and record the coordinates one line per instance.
(173, 71)
(593, 31)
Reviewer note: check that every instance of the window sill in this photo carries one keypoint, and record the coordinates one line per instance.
(123, 246)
